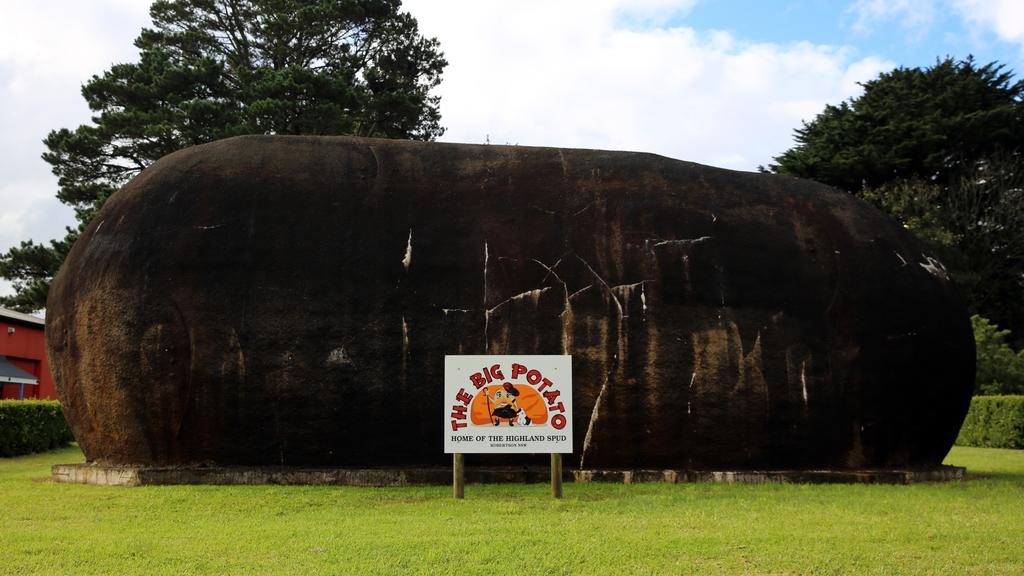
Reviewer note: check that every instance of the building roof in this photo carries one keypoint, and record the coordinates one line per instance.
(20, 318)
(11, 373)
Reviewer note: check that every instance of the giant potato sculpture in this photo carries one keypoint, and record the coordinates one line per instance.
(290, 300)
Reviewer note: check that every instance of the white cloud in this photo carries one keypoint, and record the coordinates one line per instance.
(1004, 17)
(915, 16)
(647, 13)
(48, 49)
(575, 74)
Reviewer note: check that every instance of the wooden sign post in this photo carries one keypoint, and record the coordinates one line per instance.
(458, 476)
(556, 475)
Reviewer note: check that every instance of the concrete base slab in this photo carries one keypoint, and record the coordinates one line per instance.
(158, 476)
(937, 474)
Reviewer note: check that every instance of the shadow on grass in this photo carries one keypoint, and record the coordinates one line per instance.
(1016, 477)
(989, 463)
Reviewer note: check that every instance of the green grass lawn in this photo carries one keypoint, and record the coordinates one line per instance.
(970, 527)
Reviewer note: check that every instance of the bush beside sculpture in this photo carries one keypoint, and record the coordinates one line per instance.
(28, 426)
(994, 422)
(1000, 368)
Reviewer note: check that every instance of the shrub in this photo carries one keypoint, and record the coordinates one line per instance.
(1000, 369)
(28, 426)
(994, 422)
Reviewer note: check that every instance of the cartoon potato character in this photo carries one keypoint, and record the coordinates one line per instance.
(503, 404)
(517, 404)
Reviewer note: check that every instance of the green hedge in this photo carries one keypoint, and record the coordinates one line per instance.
(28, 426)
(994, 422)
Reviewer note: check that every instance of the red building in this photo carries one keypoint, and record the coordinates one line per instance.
(24, 371)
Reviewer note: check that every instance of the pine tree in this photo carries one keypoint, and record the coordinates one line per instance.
(211, 69)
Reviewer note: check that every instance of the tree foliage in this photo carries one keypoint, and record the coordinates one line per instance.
(975, 225)
(1000, 369)
(939, 149)
(929, 123)
(210, 69)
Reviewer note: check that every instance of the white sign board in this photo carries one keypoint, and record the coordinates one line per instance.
(503, 404)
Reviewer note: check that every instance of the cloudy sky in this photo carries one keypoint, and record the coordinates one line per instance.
(713, 81)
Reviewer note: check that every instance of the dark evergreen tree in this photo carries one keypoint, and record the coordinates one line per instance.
(975, 226)
(930, 124)
(942, 150)
(210, 69)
